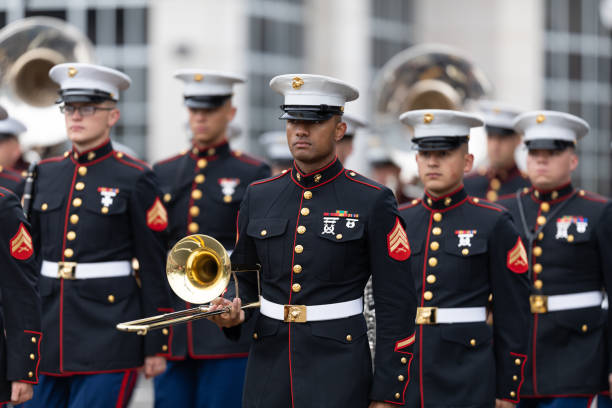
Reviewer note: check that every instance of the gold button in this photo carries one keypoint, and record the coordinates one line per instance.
(44, 206)
(301, 229)
(79, 186)
(512, 394)
(437, 217)
(196, 194)
(515, 378)
(92, 155)
(74, 219)
(30, 374)
(193, 227)
(434, 246)
(202, 163)
(473, 342)
(540, 236)
(397, 395)
(104, 210)
(297, 268)
(299, 249)
(537, 251)
(349, 337)
(298, 176)
(352, 173)
(537, 268)
(167, 197)
(448, 201)
(165, 331)
(317, 178)
(199, 178)
(536, 193)
(432, 261)
(428, 295)
(111, 298)
(431, 279)
(263, 233)
(165, 347)
(465, 251)
(255, 336)
(296, 287)
(68, 252)
(538, 284)
(227, 198)
(541, 220)
(517, 362)
(584, 328)
(545, 207)
(339, 236)
(554, 195)
(429, 201)
(305, 211)
(495, 184)
(492, 195)
(211, 151)
(436, 230)
(404, 360)
(33, 339)
(570, 238)
(77, 202)
(308, 195)
(194, 211)
(400, 378)
(582, 193)
(32, 357)
(71, 235)
(82, 171)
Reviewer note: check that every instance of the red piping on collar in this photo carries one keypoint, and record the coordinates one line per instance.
(104, 143)
(316, 171)
(444, 209)
(445, 195)
(318, 185)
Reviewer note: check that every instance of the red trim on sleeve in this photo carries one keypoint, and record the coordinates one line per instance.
(408, 341)
(407, 381)
(40, 335)
(518, 389)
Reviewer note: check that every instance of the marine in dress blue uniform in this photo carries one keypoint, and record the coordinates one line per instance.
(568, 233)
(94, 211)
(203, 188)
(463, 250)
(502, 178)
(20, 322)
(319, 235)
(10, 128)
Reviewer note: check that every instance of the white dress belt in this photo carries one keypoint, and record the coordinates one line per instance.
(301, 313)
(436, 315)
(574, 301)
(86, 270)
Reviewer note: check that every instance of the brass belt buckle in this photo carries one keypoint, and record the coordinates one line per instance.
(66, 270)
(295, 314)
(538, 303)
(426, 315)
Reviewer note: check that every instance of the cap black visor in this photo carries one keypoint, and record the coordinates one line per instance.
(83, 95)
(206, 101)
(438, 143)
(310, 112)
(548, 144)
(499, 131)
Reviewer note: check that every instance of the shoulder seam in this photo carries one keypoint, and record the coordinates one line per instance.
(52, 159)
(141, 162)
(269, 179)
(486, 204)
(409, 205)
(588, 195)
(346, 171)
(170, 159)
(120, 160)
(246, 158)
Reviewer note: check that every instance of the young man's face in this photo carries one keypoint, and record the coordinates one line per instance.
(441, 171)
(89, 130)
(209, 126)
(549, 169)
(500, 150)
(313, 142)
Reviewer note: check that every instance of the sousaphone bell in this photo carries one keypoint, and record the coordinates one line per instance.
(198, 270)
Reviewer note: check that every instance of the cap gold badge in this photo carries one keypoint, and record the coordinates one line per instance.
(540, 118)
(297, 83)
(428, 118)
(198, 77)
(72, 71)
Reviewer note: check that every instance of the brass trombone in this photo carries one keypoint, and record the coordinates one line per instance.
(198, 270)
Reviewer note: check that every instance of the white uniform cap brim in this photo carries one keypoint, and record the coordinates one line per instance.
(208, 83)
(73, 75)
(498, 114)
(12, 126)
(550, 125)
(440, 122)
(353, 122)
(313, 90)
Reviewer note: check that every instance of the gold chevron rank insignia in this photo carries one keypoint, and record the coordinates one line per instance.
(517, 258)
(157, 217)
(21, 244)
(397, 242)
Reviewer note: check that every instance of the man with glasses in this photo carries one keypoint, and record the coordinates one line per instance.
(94, 210)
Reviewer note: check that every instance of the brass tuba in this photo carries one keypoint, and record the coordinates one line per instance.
(198, 270)
(28, 49)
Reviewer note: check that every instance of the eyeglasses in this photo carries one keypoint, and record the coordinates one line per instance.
(86, 110)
